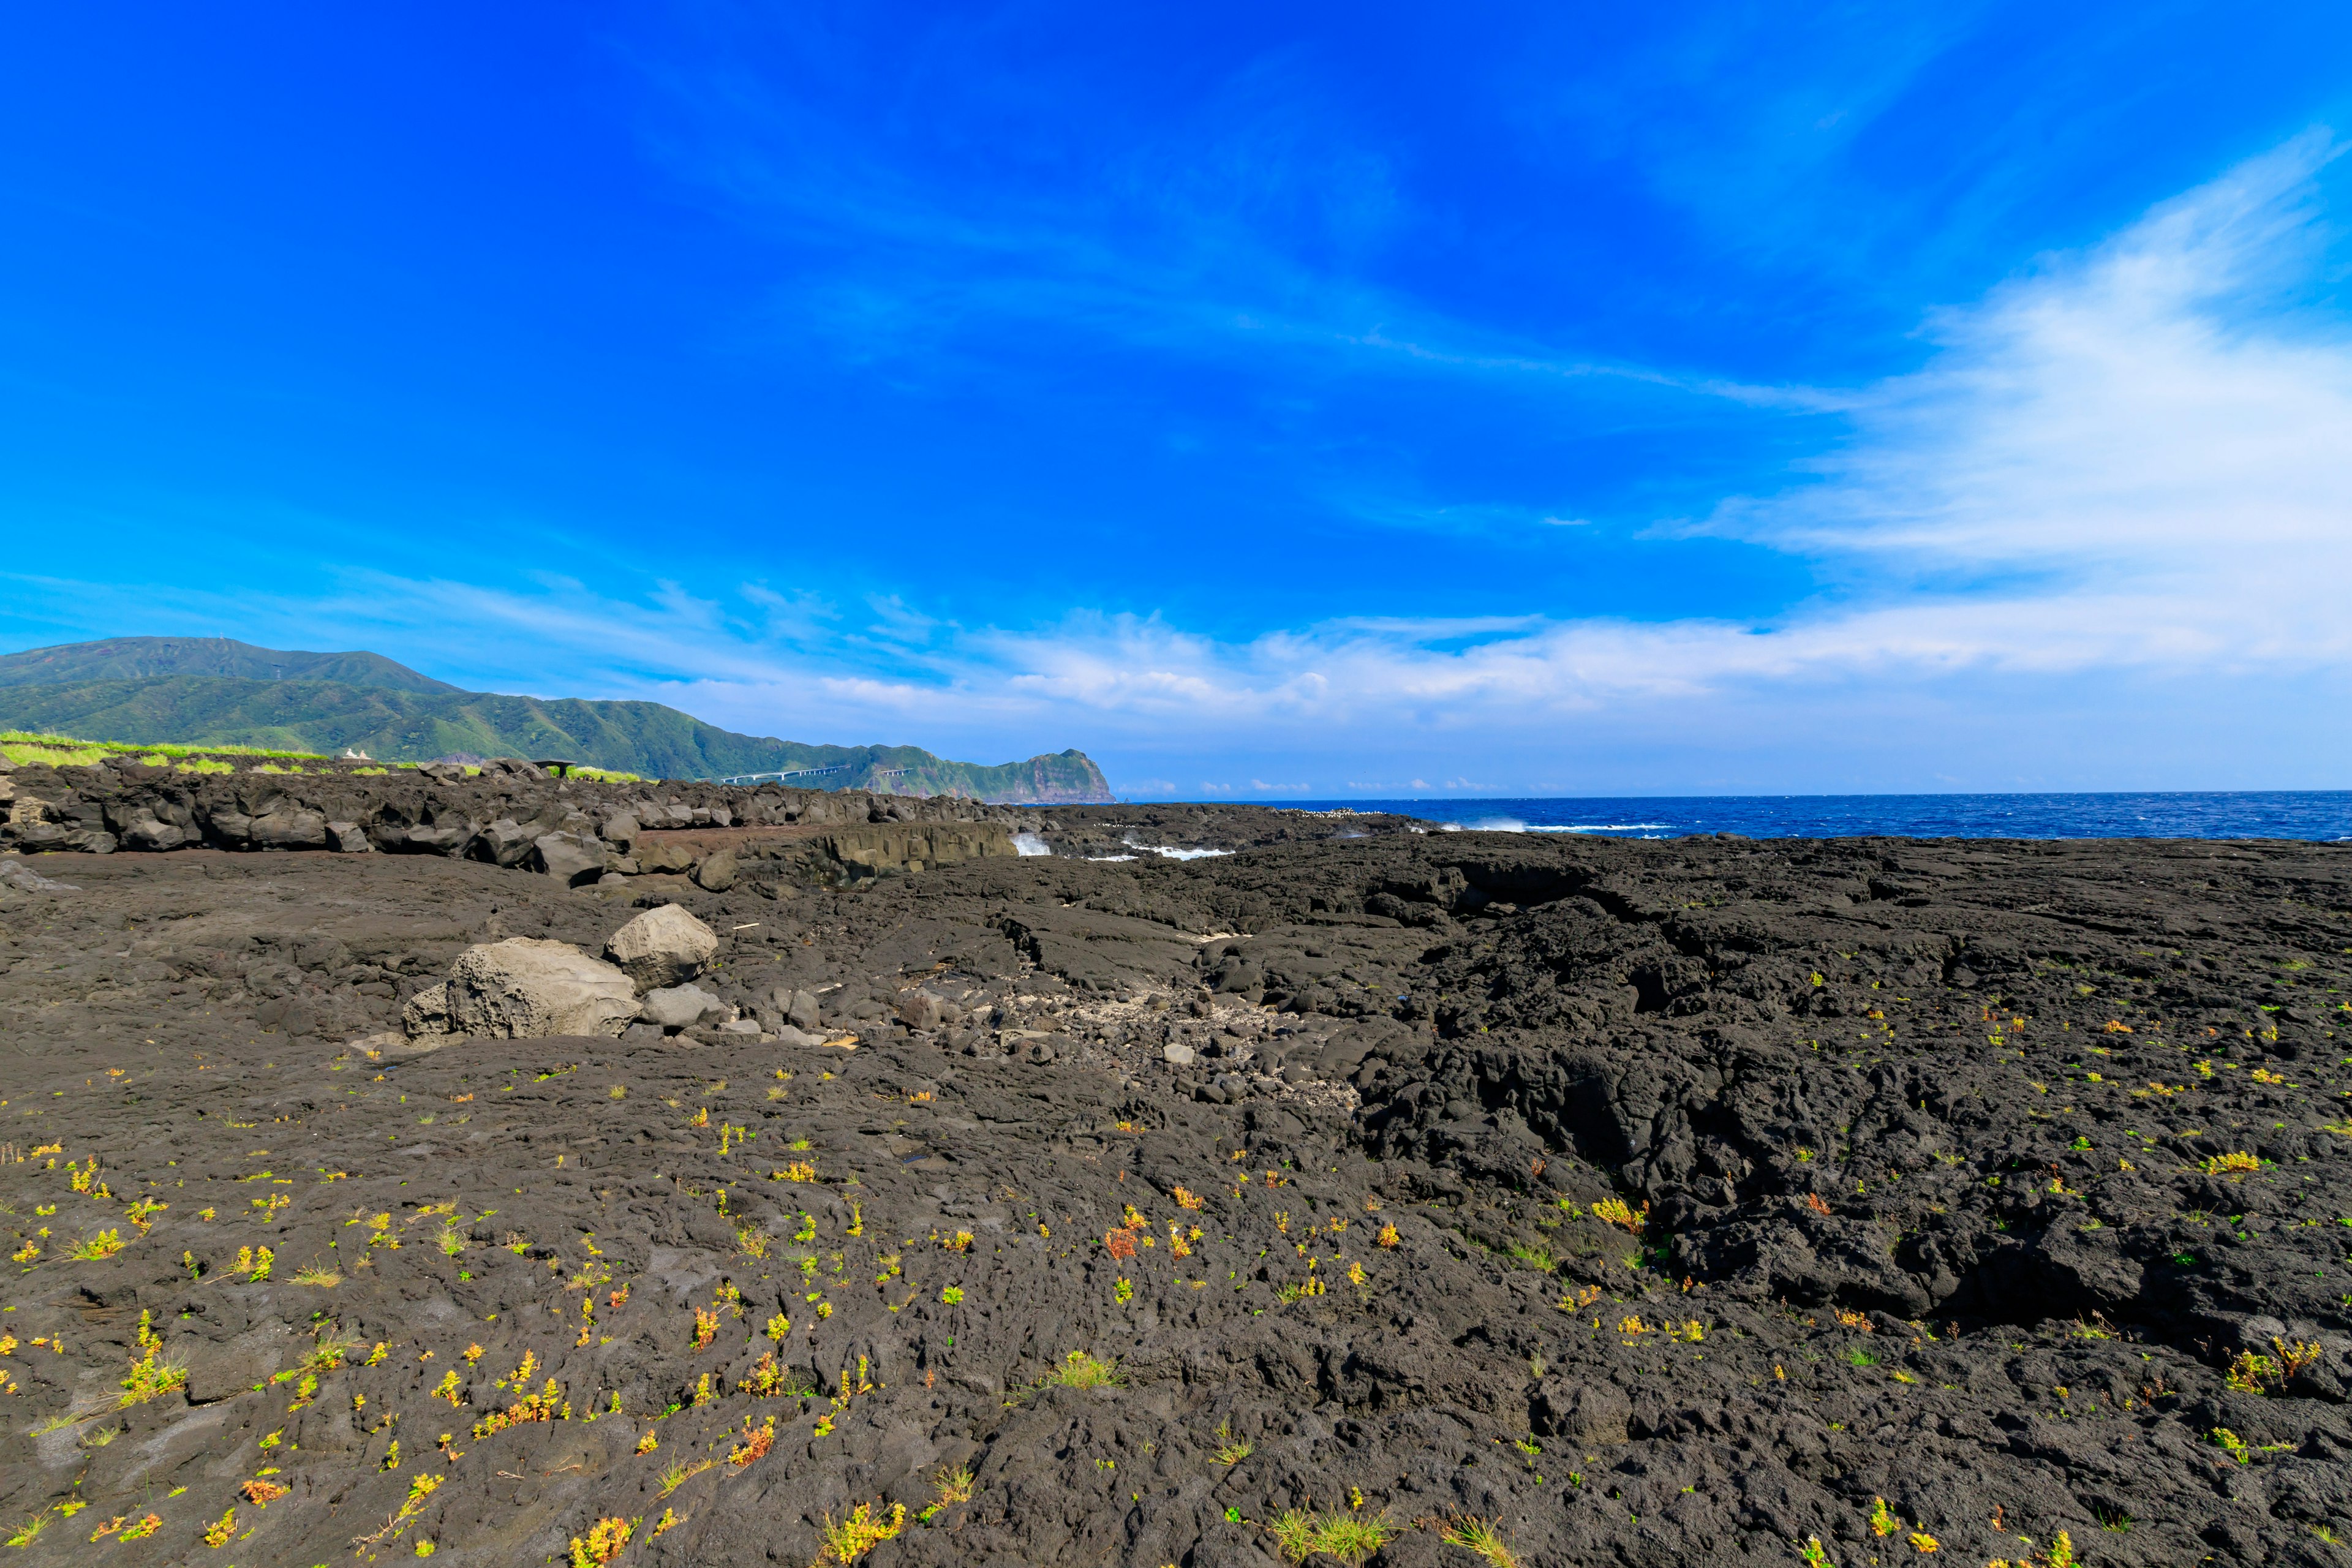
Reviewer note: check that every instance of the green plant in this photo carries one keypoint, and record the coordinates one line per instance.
(859, 1533)
(678, 1474)
(603, 1543)
(1232, 1450)
(1613, 1211)
(1080, 1370)
(952, 1294)
(1813, 1555)
(1349, 1537)
(151, 1375)
(1883, 1522)
(94, 1249)
(1533, 1257)
(1479, 1536)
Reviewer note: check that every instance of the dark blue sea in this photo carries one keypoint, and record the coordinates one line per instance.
(2266, 814)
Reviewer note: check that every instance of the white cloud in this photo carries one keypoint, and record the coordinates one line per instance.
(2125, 467)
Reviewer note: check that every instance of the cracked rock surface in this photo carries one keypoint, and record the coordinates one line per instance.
(1657, 1201)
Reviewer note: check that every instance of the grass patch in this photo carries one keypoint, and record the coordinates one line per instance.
(1079, 1370)
(1533, 1257)
(1479, 1536)
(1299, 1533)
(72, 751)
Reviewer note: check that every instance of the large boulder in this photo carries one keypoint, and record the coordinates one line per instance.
(715, 871)
(144, 832)
(505, 841)
(665, 946)
(666, 856)
(525, 988)
(569, 857)
(682, 1008)
(348, 839)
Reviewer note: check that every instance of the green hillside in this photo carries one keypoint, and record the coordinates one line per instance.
(137, 658)
(393, 724)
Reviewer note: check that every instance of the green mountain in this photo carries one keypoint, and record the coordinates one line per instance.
(136, 658)
(375, 706)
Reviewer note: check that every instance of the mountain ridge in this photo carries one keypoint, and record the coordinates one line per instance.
(135, 658)
(399, 722)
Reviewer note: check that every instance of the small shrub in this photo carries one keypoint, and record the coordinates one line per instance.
(1613, 1210)
(1232, 1450)
(859, 1533)
(602, 1543)
(2252, 1373)
(95, 1248)
(2216, 1164)
(756, 1444)
(1080, 1370)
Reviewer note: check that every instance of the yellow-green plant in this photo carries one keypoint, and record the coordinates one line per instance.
(1079, 1370)
(860, 1533)
(1299, 1533)
(1479, 1536)
(151, 1375)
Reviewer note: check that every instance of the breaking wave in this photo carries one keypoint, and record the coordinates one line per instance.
(1030, 844)
(1174, 854)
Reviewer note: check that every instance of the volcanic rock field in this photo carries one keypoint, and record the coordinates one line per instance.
(1367, 1193)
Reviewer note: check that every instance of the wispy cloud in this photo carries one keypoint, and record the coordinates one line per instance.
(2126, 465)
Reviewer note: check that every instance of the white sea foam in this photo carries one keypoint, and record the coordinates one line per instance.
(1513, 825)
(1030, 844)
(1173, 853)
(1110, 857)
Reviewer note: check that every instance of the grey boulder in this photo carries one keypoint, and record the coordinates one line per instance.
(525, 988)
(682, 1008)
(715, 872)
(665, 946)
(505, 842)
(348, 839)
(569, 857)
(146, 833)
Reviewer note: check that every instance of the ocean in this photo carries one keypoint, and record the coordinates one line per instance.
(2323, 814)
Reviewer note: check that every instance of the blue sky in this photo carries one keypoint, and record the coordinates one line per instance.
(1361, 400)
